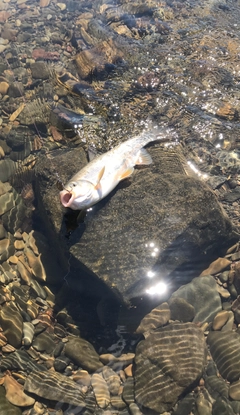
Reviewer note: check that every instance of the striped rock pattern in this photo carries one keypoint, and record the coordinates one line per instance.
(12, 323)
(156, 318)
(100, 389)
(169, 361)
(54, 386)
(225, 351)
(20, 360)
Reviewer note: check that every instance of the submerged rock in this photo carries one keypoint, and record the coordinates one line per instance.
(168, 362)
(54, 386)
(162, 222)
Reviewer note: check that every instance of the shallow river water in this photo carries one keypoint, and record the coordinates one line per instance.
(130, 307)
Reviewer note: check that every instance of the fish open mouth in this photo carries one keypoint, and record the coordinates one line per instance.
(66, 198)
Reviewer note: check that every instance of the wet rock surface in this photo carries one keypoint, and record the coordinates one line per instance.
(167, 363)
(160, 222)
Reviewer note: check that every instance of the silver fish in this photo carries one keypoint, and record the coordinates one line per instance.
(99, 177)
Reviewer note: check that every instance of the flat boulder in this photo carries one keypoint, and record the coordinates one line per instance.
(147, 230)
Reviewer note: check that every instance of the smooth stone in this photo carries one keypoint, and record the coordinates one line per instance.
(28, 333)
(36, 265)
(225, 351)
(60, 363)
(158, 317)
(100, 389)
(234, 391)
(82, 353)
(202, 294)
(12, 323)
(54, 386)
(6, 408)
(4, 244)
(167, 363)
(4, 85)
(216, 266)
(19, 245)
(220, 321)
(203, 406)
(44, 343)
(82, 377)
(112, 379)
(15, 394)
(181, 310)
(222, 407)
(216, 386)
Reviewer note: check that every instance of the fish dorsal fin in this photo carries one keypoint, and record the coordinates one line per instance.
(100, 175)
(144, 158)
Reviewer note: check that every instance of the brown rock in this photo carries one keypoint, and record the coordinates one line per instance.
(95, 59)
(15, 394)
(216, 266)
(158, 317)
(4, 87)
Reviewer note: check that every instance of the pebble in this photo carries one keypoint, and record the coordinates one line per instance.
(62, 6)
(12, 323)
(223, 321)
(15, 394)
(158, 317)
(216, 266)
(100, 389)
(28, 333)
(82, 353)
(3, 85)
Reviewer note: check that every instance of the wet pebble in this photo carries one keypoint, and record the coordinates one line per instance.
(216, 266)
(112, 379)
(83, 354)
(12, 323)
(28, 333)
(100, 389)
(15, 394)
(60, 363)
(223, 321)
(44, 343)
(158, 317)
(6, 408)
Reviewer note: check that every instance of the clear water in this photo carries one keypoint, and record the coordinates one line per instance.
(86, 76)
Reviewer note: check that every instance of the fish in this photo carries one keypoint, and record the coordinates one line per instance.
(101, 175)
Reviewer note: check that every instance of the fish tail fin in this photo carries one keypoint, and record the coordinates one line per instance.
(144, 158)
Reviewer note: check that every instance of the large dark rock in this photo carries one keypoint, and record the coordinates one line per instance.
(161, 221)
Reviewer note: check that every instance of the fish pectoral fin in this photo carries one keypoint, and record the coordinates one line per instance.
(144, 158)
(126, 173)
(100, 175)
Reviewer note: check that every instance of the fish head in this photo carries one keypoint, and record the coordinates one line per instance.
(79, 195)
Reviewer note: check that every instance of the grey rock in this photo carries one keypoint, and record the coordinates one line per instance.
(202, 293)
(82, 353)
(54, 386)
(39, 70)
(225, 351)
(222, 407)
(181, 310)
(178, 214)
